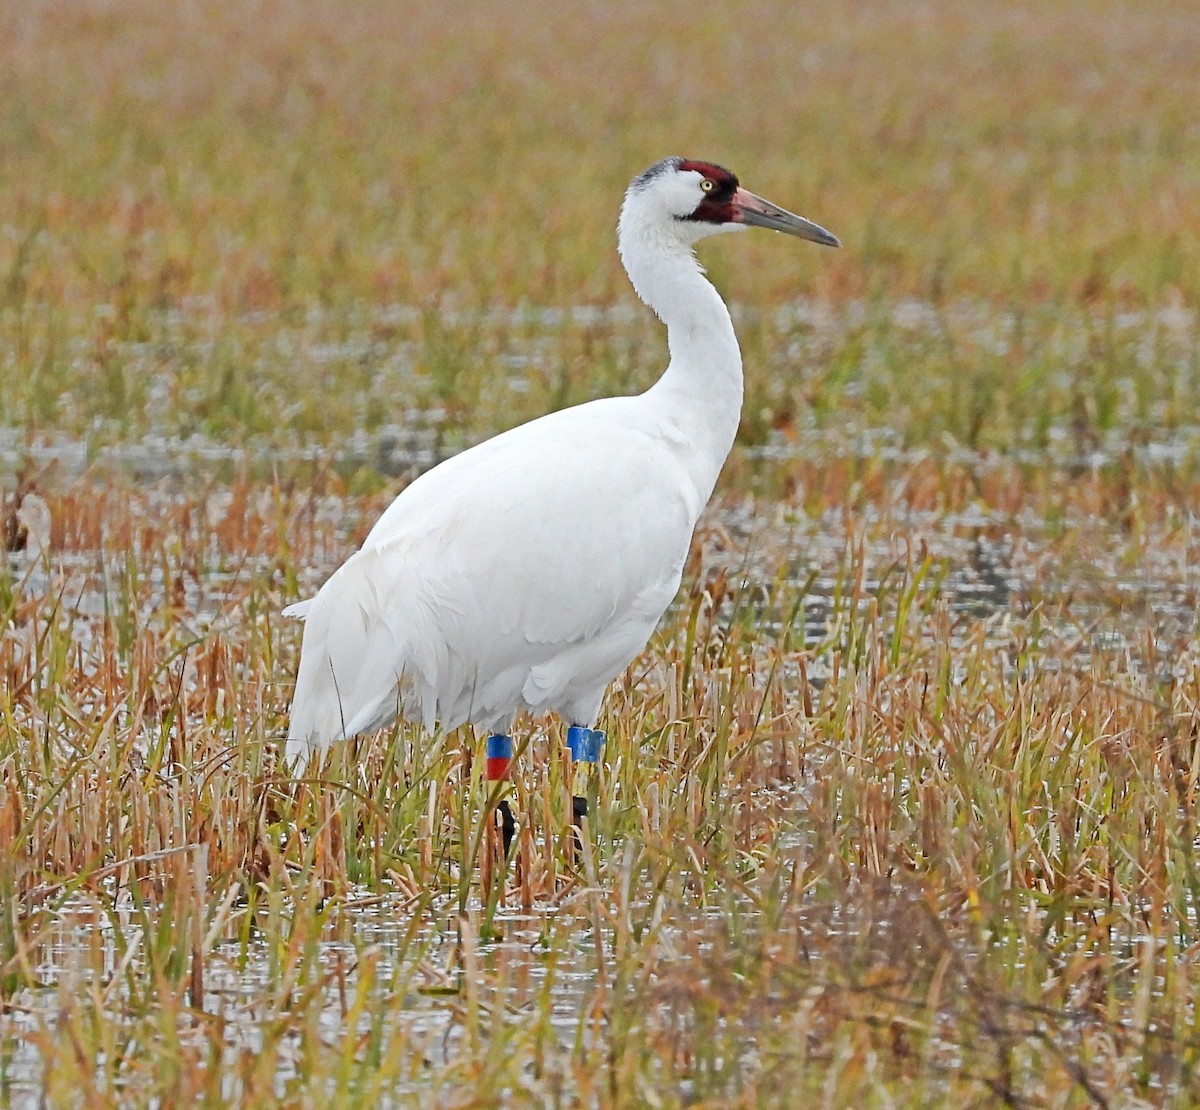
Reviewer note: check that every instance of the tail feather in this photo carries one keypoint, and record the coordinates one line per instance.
(359, 662)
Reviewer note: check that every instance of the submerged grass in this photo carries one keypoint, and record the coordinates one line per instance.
(898, 805)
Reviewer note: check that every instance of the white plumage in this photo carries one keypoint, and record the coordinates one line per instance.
(527, 572)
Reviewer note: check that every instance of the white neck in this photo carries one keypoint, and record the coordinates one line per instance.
(701, 389)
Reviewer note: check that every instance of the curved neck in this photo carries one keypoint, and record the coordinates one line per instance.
(701, 389)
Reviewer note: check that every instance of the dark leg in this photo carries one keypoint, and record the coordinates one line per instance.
(579, 810)
(508, 824)
(585, 745)
(499, 764)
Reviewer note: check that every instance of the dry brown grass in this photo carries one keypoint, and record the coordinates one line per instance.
(898, 805)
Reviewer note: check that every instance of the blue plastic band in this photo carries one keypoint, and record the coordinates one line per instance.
(585, 744)
(499, 746)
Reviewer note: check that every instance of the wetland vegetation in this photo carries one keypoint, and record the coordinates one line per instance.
(899, 804)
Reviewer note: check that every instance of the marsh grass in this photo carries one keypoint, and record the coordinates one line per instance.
(897, 807)
(859, 835)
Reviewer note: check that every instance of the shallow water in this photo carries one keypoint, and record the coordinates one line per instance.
(377, 356)
(417, 976)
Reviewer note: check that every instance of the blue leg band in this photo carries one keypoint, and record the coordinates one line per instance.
(499, 746)
(585, 744)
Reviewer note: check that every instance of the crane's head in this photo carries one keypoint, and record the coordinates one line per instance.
(695, 199)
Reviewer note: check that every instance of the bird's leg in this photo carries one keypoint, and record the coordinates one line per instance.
(499, 765)
(584, 745)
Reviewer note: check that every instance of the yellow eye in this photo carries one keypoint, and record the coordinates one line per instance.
(706, 185)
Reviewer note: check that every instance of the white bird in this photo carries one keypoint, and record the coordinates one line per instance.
(526, 573)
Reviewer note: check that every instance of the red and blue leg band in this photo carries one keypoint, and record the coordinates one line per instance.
(499, 756)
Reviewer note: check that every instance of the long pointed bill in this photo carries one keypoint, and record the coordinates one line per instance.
(756, 212)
